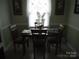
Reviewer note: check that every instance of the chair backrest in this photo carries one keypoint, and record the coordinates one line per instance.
(14, 31)
(39, 37)
(40, 32)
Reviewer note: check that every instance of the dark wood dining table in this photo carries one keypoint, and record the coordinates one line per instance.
(55, 32)
(27, 32)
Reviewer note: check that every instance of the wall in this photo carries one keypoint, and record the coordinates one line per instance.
(4, 23)
(22, 20)
(73, 26)
(56, 19)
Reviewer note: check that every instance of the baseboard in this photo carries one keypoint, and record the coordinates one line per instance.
(74, 27)
(70, 46)
(5, 27)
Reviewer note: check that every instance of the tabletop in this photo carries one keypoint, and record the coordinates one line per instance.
(27, 32)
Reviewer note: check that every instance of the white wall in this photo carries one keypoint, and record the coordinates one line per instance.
(73, 18)
(23, 20)
(5, 22)
(73, 26)
(4, 13)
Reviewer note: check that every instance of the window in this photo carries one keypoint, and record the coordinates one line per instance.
(38, 6)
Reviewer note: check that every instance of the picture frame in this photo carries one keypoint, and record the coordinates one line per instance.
(17, 7)
(60, 5)
(76, 11)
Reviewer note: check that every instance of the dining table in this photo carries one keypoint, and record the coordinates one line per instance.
(51, 32)
(28, 33)
(56, 32)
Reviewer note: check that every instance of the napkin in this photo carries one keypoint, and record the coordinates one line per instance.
(26, 31)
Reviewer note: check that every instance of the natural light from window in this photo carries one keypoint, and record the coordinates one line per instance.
(41, 6)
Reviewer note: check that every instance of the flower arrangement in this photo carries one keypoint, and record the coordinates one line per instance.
(40, 21)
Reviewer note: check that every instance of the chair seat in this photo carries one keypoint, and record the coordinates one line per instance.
(39, 44)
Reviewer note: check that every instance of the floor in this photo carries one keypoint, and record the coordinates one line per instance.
(64, 54)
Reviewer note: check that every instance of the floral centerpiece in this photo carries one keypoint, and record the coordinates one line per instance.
(40, 21)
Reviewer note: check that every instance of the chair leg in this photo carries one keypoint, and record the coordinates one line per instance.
(48, 47)
(60, 45)
(14, 45)
(34, 52)
(28, 43)
(24, 50)
(56, 51)
(44, 53)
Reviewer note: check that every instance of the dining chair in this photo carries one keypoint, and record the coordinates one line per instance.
(39, 41)
(17, 38)
(55, 37)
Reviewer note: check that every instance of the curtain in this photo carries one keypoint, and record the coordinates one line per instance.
(38, 9)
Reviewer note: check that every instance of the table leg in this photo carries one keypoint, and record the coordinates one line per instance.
(56, 51)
